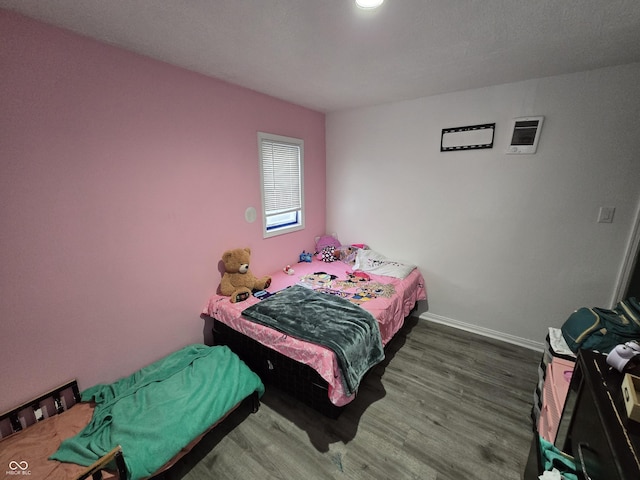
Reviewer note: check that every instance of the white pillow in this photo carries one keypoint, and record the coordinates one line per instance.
(373, 262)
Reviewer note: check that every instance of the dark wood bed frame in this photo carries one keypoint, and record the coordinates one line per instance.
(295, 378)
(54, 402)
(46, 405)
(62, 398)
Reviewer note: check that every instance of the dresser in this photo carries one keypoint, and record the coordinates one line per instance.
(594, 427)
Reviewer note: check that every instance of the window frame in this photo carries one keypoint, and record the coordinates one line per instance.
(295, 222)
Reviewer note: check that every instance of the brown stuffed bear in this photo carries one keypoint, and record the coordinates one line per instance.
(237, 281)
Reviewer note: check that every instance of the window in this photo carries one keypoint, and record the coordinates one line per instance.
(281, 174)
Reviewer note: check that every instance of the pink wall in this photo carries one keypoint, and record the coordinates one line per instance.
(122, 181)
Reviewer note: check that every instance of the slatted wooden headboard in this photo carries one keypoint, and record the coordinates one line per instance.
(51, 403)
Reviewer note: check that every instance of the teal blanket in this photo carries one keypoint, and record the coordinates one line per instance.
(327, 320)
(160, 409)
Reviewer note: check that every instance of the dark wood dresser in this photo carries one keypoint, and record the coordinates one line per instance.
(594, 427)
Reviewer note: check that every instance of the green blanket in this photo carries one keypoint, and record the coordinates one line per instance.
(328, 320)
(161, 408)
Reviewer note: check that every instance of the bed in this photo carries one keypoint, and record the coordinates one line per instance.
(304, 369)
(136, 427)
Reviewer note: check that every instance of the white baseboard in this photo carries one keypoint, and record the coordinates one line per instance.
(486, 332)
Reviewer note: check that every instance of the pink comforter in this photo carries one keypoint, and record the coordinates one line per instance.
(388, 299)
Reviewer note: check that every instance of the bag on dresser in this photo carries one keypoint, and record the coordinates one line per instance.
(602, 329)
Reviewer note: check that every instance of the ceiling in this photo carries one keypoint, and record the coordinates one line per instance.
(328, 55)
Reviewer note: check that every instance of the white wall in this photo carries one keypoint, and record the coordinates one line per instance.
(508, 244)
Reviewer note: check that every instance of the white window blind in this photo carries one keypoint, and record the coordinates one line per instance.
(281, 166)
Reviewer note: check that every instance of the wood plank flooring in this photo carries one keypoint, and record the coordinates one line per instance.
(444, 405)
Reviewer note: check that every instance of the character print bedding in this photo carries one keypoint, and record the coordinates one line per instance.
(383, 291)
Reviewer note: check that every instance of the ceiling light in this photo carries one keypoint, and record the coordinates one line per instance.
(369, 4)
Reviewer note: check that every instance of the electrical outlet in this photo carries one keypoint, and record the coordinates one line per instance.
(606, 214)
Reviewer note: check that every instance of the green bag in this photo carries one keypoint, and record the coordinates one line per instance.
(602, 329)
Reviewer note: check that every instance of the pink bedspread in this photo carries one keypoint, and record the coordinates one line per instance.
(388, 299)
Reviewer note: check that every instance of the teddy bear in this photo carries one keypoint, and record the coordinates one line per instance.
(237, 281)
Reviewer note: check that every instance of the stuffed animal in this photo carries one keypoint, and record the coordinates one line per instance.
(305, 257)
(237, 281)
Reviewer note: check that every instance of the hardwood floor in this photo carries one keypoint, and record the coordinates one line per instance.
(444, 405)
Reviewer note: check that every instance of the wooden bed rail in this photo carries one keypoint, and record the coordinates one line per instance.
(95, 471)
(47, 405)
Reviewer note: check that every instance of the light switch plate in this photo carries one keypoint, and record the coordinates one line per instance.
(606, 214)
